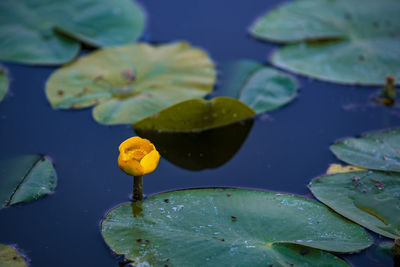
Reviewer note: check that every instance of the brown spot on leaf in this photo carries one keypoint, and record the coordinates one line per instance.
(60, 92)
(166, 200)
(139, 240)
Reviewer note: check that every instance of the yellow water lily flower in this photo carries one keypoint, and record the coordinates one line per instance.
(137, 156)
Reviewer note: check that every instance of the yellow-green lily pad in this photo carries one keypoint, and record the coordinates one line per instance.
(4, 83)
(201, 129)
(230, 227)
(369, 198)
(24, 178)
(9, 257)
(377, 150)
(344, 41)
(262, 88)
(129, 83)
(50, 31)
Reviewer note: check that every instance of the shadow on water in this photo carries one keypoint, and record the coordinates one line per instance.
(199, 150)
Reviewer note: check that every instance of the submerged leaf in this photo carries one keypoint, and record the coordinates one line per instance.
(24, 178)
(260, 87)
(196, 134)
(225, 227)
(377, 151)
(369, 198)
(9, 257)
(345, 41)
(4, 83)
(129, 83)
(49, 31)
(337, 168)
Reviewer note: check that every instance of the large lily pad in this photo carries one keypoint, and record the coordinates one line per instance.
(217, 227)
(369, 198)
(378, 151)
(260, 87)
(129, 83)
(4, 83)
(196, 134)
(9, 257)
(344, 41)
(24, 178)
(49, 31)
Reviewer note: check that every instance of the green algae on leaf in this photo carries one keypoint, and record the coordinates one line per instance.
(344, 41)
(225, 227)
(261, 87)
(24, 178)
(4, 83)
(129, 83)
(369, 198)
(201, 128)
(49, 31)
(9, 257)
(377, 151)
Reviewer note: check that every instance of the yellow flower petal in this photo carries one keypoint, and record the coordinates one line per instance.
(137, 156)
(150, 161)
(131, 167)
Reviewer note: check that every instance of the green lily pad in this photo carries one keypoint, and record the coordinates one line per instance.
(344, 41)
(225, 227)
(49, 31)
(25, 178)
(132, 82)
(201, 128)
(9, 257)
(260, 87)
(369, 198)
(4, 83)
(377, 151)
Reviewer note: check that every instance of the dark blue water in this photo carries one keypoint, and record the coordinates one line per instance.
(283, 151)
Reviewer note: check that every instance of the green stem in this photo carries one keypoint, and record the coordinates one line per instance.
(137, 188)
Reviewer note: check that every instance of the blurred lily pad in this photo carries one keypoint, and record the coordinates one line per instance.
(225, 227)
(377, 151)
(24, 178)
(369, 198)
(337, 168)
(9, 257)
(49, 31)
(4, 83)
(202, 129)
(129, 83)
(262, 88)
(344, 41)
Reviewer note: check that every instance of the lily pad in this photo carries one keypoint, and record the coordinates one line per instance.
(25, 178)
(225, 227)
(49, 31)
(260, 87)
(9, 257)
(369, 198)
(4, 83)
(129, 83)
(195, 134)
(337, 168)
(344, 41)
(377, 151)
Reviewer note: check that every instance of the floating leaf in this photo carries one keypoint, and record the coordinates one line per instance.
(217, 227)
(369, 198)
(378, 151)
(38, 31)
(337, 168)
(196, 134)
(344, 41)
(25, 178)
(9, 257)
(262, 88)
(4, 83)
(129, 83)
